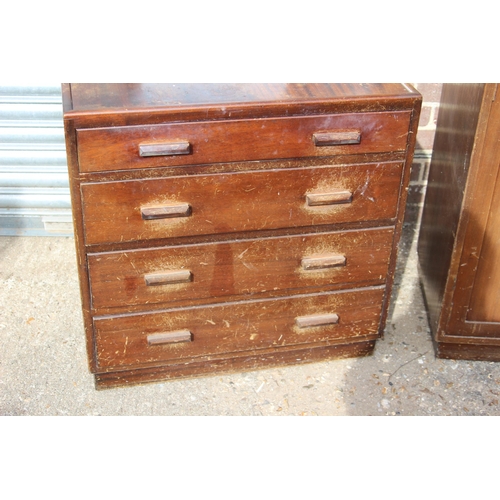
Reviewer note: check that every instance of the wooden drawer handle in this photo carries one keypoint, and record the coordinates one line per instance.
(166, 211)
(168, 277)
(316, 320)
(170, 337)
(337, 138)
(165, 149)
(336, 196)
(323, 261)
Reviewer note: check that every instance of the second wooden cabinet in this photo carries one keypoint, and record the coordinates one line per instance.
(459, 243)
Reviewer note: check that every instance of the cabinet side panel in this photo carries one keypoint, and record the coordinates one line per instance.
(453, 145)
(74, 182)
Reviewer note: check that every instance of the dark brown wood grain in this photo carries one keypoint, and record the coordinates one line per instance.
(249, 201)
(119, 148)
(460, 225)
(237, 268)
(217, 205)
(95, 98)
(104, 105)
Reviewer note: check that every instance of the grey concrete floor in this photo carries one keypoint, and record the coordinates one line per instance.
(43, 366)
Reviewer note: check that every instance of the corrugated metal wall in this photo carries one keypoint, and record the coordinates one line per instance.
(34, 189)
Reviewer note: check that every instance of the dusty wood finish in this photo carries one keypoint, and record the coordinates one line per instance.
(337, 138)
(254, 253)
(240, 167)
(234, 327)
(248, 201)
(226, 141)
(238, 268)
(460, 236)
(169, 337)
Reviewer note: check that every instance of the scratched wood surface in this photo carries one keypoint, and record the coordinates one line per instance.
(119, 148)
(88, 105)
(237, 268)
(232, 327)
(237, 362)
(249, 201)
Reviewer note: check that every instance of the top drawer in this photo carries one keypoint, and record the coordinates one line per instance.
(176, 144)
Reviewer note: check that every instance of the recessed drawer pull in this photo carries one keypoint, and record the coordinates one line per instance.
(170, 337)
(336, 196)
(316, 320)
(165, 149)
(337, 138)
(323, 261)
(166, 211)
(168, 277)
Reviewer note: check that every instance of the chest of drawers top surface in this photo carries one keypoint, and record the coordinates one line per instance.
(114, 104)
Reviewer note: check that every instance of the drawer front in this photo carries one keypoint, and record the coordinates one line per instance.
(234, 202)
(164, 276)
(123, 148)
(135, 340)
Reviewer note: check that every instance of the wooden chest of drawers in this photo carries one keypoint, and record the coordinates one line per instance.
(226, 227)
